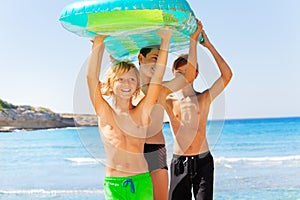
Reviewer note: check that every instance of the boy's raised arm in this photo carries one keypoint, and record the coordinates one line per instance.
(179, 82)
(156, 80)
(226, 74)
(190, 74)
(94, 67)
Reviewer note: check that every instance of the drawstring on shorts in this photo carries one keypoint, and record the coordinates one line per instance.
(125, 184)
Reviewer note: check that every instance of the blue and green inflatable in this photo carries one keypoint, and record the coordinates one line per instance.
(131, 24)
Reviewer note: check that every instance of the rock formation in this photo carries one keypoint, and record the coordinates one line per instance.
(14, 117)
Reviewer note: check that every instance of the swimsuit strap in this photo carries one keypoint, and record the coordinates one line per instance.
(126, 182)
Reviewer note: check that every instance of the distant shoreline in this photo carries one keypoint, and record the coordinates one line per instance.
(14, 118)
(88, 120)
(62, 121)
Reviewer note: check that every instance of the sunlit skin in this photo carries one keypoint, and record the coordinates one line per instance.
(126, 85)
(189, 114)
(154, 132)
(148, 63)
(123, 125)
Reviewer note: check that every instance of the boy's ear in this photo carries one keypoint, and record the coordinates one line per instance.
(140, 57)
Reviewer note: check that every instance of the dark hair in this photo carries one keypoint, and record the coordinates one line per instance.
(145, 50)
(181, 60)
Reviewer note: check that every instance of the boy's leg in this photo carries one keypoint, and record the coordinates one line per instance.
(203, 181)
(160, 181)
(156, 157)
(180, 186)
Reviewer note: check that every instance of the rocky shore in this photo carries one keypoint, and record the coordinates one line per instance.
(14, 118)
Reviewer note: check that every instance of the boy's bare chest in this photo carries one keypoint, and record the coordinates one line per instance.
(186, 108)
(123, 132)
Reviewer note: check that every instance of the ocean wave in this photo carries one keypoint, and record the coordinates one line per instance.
(225, 161)
(258, 160)
(85, 160)
(57, 129)
(51, 192)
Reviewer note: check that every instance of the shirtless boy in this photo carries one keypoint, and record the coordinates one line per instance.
(192, 166)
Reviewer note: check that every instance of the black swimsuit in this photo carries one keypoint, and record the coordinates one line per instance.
(192, 172)
(156, 156)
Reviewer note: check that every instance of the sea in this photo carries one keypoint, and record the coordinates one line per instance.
(254, 159)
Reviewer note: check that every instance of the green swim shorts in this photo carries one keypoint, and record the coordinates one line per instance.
(137, 187)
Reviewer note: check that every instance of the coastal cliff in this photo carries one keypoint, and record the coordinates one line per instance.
(24, 117)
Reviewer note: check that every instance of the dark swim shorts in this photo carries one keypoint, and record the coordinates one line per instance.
(156, 156)
(192, 173)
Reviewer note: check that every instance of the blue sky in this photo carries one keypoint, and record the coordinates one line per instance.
(40, 60)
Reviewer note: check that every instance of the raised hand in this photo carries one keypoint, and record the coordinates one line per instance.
(198, 31)
(164, 33)
(206, 43)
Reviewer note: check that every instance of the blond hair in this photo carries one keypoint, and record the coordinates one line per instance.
(114, 72)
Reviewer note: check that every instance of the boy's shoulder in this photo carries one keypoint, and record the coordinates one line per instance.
(203, 96)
